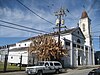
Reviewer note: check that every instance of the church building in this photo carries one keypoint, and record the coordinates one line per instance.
(77, 41)
(81, 50)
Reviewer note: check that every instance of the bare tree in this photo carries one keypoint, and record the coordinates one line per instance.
(46, 48)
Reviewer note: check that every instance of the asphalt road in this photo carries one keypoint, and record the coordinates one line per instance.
(71, 72)
(77, 72)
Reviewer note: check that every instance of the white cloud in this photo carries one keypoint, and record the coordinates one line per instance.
(27, 19)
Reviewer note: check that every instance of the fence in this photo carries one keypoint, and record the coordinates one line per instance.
(14, 62)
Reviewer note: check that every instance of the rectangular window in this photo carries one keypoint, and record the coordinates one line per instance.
(78, 46)
(86, 48)
(74, 45)
(82, 47)
(67, 43)
(51, 64)
(56, 64)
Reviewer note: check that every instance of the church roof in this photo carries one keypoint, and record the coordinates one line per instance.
(84, 14)
(69, 30)
(54, 33)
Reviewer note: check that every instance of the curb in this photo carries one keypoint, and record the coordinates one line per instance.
(81, 68)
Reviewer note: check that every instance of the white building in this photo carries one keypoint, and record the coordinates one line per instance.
(74, 40)
(85, 25)
(15, 56)
(77, 41)
(21, 49)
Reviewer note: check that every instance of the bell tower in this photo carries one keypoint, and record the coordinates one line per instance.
(84, 24)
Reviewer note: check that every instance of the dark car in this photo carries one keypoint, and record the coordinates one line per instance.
(95, 72)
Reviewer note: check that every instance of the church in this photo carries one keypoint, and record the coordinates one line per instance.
(81, 50)
(78, 42)
(85, 25)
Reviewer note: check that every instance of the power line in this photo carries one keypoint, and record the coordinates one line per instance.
(92, 5)
(96, 32)
(71, 14)
(19, 29)
(34, 12)
(95, 26)
(95, 36)
(23, 26)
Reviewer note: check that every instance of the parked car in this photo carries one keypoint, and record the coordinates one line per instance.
(45, 67)
(95, 72)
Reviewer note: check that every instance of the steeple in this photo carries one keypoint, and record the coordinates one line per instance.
(84, 14)
(84, 24)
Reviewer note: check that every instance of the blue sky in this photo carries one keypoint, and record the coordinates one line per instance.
(12, 11)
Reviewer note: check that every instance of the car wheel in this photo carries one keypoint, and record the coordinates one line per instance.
(39, 73)
(57, 71)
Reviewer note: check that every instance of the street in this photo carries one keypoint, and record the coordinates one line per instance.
(70, 72)
(78, 72)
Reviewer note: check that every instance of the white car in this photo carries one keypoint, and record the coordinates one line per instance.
(45, 67)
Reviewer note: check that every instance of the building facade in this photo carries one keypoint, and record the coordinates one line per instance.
(73, 40)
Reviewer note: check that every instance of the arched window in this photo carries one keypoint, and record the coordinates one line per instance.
(78, 41)
(83, 27)
(78, 32)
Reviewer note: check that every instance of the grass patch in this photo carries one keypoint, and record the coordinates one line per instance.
(1, 66)
(10, 67)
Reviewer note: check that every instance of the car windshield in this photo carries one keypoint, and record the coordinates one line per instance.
(40, 63)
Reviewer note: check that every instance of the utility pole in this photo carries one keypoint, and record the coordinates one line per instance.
(6, 59)
(59, 22)
(20, 62)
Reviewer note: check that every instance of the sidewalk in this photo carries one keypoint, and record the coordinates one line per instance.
(83, 67)
(87, 66)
